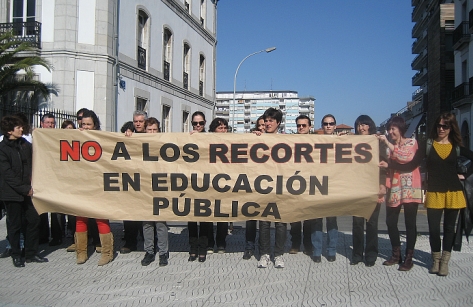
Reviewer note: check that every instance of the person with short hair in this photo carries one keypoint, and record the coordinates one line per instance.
(272, 120)
(58, 220)
(303, 124)
(405, 190)
(198, 233)
(329, 124)
(132, 228)
(16, 191)
(68, 124)
(149, 227)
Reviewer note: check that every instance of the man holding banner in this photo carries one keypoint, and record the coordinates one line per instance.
(272, 120)
(328, 126)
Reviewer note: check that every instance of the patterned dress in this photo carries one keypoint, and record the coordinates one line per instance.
(405, 187)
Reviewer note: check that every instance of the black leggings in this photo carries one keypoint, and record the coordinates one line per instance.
(410, 217)
(434, 216)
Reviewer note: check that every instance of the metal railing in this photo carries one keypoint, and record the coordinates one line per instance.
(141, 58)
(461, 34)
(34, 115)
(29, 32)
(166, 70)
(185, 80)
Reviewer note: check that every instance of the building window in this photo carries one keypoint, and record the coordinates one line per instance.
(167, 54)
(186, 66)
(185, 121)
(201, 75)
(143, 35)
(166, 119)
(187, 4)
(203, 11)
(23, 12)
(141, 104)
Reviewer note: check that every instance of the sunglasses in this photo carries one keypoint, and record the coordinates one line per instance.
(444, 127)
(329, 124)
(198, 123)
(301, 125)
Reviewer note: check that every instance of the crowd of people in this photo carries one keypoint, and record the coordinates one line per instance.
(400, 187)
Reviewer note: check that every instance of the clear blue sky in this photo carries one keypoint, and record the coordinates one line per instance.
(353, 57)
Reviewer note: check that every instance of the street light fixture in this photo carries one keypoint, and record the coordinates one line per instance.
(267, 50)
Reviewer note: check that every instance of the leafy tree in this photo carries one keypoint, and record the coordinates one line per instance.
(17, 84)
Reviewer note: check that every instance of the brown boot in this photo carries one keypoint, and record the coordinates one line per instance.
(443, 270)
(435, 263)
(395, 258)
(408, 264)
(81, 246)
(107, 248)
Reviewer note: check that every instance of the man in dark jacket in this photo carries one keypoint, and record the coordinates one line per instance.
(16, 190)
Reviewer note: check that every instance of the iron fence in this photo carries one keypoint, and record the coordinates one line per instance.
(34, 115)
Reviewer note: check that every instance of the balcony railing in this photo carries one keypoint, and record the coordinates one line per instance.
(29, 32)
(461, 35)
(460, 91)
(185, 80)
(470, 15)
(166, 70)
(201, 88)
(470, 87)
(141, 57)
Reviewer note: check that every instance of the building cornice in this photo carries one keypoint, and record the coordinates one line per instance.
(180, 11)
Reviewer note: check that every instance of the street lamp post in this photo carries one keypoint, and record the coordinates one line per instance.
(267, 50)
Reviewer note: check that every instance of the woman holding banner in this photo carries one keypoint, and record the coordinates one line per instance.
(198, 237)
(218, 125)
(90, 121)
(404, 191)
(364, 125)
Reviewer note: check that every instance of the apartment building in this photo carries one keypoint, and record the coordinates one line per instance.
(243, 110)
(433, 32)
(117, 56)
(462, 97)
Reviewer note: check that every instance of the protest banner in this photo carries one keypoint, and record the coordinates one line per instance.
(204, 176)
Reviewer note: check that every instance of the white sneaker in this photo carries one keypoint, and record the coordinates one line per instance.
(279, 262)
(264, 261)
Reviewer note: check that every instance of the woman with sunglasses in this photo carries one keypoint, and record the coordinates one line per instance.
(405, 191)
(198, 236)
(444, 189)
(90, 121)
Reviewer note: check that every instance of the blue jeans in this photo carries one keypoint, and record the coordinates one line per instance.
(332, 236)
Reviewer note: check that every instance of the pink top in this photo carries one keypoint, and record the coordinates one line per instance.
(406, 187)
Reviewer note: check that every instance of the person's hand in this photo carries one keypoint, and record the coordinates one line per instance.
(461, 177)
(383, 164)
(194, 131)
(128, 132)
(257, 132)
(30, 193)
(382, 138)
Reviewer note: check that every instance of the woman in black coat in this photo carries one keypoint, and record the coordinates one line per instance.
(16, 191)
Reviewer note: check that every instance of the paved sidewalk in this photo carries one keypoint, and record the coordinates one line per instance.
(228, 280)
